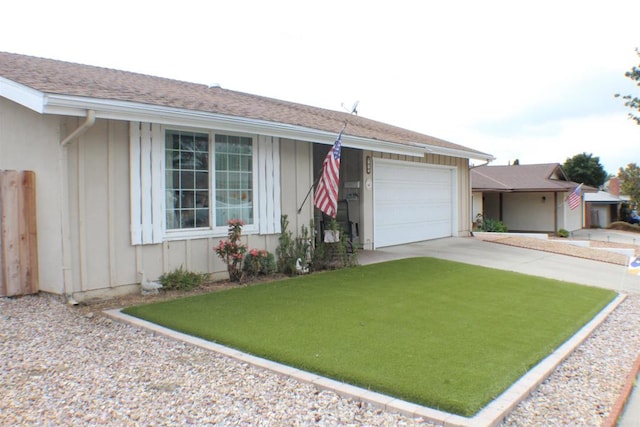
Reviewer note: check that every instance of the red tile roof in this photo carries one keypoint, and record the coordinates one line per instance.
(65, 78)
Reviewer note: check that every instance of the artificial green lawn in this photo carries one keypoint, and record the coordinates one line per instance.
(447, 335)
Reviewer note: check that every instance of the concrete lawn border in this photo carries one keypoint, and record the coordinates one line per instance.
(491, 415)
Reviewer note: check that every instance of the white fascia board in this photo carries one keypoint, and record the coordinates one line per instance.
(453, 152)
(130, 111)
(23, 95)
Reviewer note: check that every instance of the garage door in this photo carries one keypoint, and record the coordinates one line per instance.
(412, 202)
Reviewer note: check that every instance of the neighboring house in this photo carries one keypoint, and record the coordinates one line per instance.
(526, 198)
(139, 173)
(603, 208)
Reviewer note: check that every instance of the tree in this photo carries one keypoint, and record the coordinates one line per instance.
(585, 169)
(633, 101)
(630, 181)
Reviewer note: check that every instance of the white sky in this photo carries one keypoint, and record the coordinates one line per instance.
(526, 80)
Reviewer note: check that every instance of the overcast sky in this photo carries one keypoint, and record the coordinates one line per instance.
(532, 81)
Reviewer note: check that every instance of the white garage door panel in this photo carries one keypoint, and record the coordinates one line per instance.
(412, 202)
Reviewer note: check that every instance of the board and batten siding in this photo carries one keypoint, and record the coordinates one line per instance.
(105, 257)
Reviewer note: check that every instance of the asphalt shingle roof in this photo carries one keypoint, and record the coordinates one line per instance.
(539, 177)
(65, 78)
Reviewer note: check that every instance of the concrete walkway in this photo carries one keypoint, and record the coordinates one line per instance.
(526, 261)
(537, 263)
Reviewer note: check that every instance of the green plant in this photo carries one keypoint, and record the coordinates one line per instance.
(291, 249)
(232, 250)
(563, 233)
(333, 255)
(259, 263)
(284, 251)
(493, 225)
(181, 279)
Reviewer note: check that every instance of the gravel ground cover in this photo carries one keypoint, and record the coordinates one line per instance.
(65, 365)
(62, 367)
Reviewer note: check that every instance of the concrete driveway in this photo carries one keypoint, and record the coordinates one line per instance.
(527, 261)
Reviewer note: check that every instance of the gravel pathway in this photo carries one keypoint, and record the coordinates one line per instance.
(64, 366)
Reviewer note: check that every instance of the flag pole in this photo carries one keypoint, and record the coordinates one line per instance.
(346, 122)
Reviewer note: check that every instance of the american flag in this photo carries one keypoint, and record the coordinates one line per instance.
(574, 198)
(326, 197)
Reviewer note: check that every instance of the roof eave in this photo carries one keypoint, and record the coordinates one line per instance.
(23, 95)
(68, 105)
(452, 152)
(131, 111)
(523, 190)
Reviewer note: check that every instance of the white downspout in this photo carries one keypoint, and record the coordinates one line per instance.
(64, 211)
(89, 121)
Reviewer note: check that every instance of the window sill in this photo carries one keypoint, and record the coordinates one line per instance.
(204, 233)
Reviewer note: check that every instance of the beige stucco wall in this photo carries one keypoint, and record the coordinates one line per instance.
(529, 211)
(600, 215)
(30, 141)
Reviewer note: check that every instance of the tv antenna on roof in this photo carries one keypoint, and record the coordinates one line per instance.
(354, 108)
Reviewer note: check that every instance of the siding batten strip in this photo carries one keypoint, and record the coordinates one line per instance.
(275, 170)
(145, 182)
(268, 185)
(111, 203)
(157, 182)
(134, 171)
(261, 190)
(82, 235)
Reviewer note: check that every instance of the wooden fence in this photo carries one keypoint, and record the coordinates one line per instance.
(18, 234)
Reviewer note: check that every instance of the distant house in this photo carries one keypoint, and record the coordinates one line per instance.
(526, 198)
(140, 173)
(603, 207)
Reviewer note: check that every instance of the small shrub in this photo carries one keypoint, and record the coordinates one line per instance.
(563, 233)
(232, 250)
(259, 263)
(340, 254)
(494, 225)
(624, 226)
(291, 249)
(181, 279)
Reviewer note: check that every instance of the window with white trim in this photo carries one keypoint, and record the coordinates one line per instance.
(188, 183)
(187, 180)
(234, 179)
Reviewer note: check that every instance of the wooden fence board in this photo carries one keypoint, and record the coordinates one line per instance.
(18, 234)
